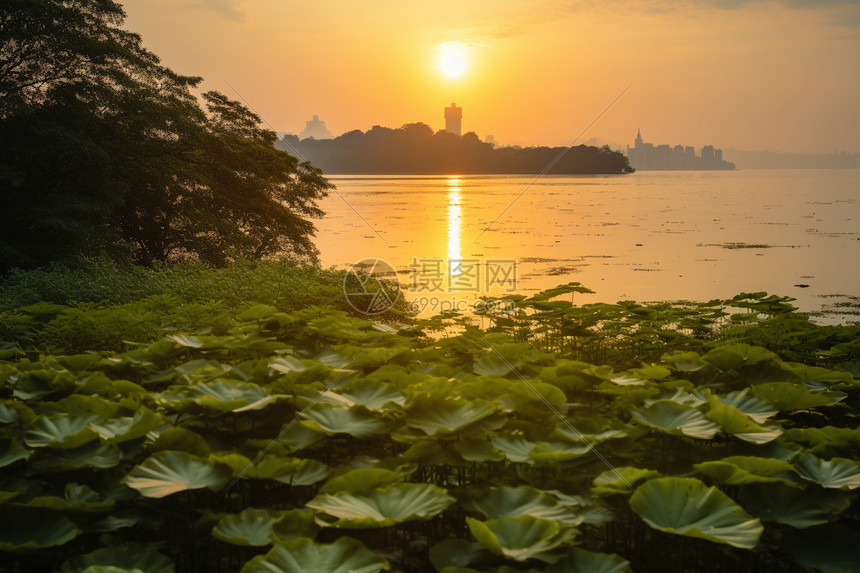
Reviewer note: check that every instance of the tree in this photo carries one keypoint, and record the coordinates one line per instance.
(107, 150)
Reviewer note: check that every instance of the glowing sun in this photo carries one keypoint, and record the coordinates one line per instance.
(452, 60)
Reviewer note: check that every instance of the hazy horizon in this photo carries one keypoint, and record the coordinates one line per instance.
(749, 74)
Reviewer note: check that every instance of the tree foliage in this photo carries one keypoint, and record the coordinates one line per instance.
(106, 149)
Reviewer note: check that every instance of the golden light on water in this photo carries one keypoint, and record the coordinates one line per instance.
(455, 216)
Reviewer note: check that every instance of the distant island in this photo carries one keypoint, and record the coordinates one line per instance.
(415, 149)
(647, 157)
(786, 160)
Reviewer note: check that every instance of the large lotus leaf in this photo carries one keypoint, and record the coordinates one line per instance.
(735, 422)
(230, 395)
(591, 513)
(732, 356)
(839, 473)
(522, 538)
(132, 558)
(356, 421)
(742, 470)
(686, 506)
(478, 450)
(124, 429)
(346, 555)
(785, 396)
(76, 497)
(554, 452)
(499, 502)
(685, 361)
(620, 480)
(361, 480)
(258, 527)
(11, 451)
(757, 409)
(381, 507)
(582, 561)
(168, 472)
(678, 419)
(792, 506)
(92, 455)
(432, 453)
(681, 396)
(515, 446)
(491, 364)
(181, 440)
(446, 416)
(32, 528)
(827, 441)
(60, 431)
(373, 395)
(830, 548)
(578, 434)
(305, 472)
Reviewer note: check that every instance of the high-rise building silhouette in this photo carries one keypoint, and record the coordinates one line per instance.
(453, 117)
(647, 156)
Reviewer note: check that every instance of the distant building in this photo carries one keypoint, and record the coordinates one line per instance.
(647, 156)
(316, 129)
(453, 118)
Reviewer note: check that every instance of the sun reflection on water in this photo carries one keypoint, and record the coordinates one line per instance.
(454, 227)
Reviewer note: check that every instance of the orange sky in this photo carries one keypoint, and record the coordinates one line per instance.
(781, 75)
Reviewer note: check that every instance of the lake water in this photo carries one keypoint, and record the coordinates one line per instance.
(649, 236)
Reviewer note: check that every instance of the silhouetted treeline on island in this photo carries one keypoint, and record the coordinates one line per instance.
(416, 149)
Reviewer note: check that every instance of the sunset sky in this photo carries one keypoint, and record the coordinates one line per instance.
(761, 75)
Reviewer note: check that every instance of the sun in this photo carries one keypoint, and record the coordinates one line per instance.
(452, 60)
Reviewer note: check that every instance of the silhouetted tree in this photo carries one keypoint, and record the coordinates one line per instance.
(106, 149)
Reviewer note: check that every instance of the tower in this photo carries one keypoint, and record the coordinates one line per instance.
(638, 142)
(453, 115)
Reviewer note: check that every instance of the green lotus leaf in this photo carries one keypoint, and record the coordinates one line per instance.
(168, 472)
(346, 555)
(838, 473)
(118, 430)
(686, 506)
(735, 422)
(432, 453)
(830, 548)
(478, 450)
(7, 495)
(23, 528)
(499, 502)
(374, 395)
(678, 419)
(32, 386)
(186, 340)
(732, 356)
(181, 440)
(286, 364)
(620, 480)
(132, 558)
(681, 396)
(742, 470)
(554, 452)
(785, 396)
(11, 451)
(685, 361)
(381, 507)
(522, 538)
(230, 395)
(77, 497)
(491, 364)
(446, 416)
(828, 441)
(79, 362)
(361, 480)
(258, 527)
(757, 409)
(582, 561)
(515, 447)
(304, 472)
(579, 435)
(627, 380)
(356, 421)
(60, 431)
(792, 506)
(92, 455)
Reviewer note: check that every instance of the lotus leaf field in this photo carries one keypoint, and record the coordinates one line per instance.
(598, 438)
